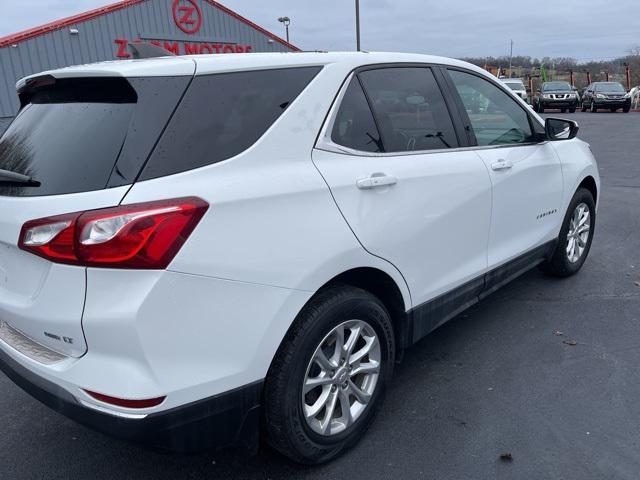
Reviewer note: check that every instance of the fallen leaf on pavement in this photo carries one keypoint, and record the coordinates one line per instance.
(506, 457)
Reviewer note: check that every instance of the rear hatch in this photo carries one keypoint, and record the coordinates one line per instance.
(82, 141)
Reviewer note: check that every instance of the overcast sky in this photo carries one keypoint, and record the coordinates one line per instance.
(583, 29)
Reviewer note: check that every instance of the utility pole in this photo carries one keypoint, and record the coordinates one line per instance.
(358, 25)
(510, 57)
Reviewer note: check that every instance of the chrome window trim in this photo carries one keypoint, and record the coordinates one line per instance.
(326, 144)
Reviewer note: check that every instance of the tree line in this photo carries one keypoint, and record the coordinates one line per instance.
(597, 68)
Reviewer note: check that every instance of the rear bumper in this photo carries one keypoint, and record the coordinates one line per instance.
(230, 418)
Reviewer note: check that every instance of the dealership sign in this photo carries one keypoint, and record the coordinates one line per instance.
(187, 16)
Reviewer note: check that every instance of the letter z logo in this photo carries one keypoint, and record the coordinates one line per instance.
(187, 15)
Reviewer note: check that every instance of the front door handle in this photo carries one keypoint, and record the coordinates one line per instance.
(376, 180)
(501, 165)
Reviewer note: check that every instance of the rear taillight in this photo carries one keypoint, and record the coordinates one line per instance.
(143, 235)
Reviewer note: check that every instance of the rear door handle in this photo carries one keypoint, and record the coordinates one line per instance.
(501, 165)
(376, 180)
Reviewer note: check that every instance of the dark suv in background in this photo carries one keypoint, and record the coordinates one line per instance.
(611, 95)
(558, 95)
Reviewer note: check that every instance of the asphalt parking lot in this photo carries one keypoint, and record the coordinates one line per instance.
(498, 379)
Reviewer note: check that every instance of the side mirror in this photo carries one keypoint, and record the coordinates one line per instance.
(560, 129)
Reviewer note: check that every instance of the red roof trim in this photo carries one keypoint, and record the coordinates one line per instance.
(66, 22)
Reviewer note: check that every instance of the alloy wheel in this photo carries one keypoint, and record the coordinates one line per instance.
(579, 231)
(341, 377)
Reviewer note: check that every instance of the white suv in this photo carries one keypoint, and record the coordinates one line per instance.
(194, 249)
(517, 86)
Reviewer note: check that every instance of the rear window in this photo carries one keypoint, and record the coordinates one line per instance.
(67, 136)
(222, 115)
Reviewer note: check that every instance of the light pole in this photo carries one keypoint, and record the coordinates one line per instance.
(286, 21)
(510, 58)
(358, 25)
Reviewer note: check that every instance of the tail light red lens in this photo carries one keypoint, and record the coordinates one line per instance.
(142, 236)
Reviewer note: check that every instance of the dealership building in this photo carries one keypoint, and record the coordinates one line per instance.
(181, 26)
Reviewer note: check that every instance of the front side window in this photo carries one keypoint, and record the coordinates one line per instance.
(410, 109)
(354, 126)
(495, 117)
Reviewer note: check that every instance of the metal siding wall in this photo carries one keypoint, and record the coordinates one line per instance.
(95, 41)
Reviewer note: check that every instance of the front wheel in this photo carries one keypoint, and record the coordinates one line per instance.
(329, 375)
(575, 237)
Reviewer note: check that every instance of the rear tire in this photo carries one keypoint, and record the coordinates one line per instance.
(573, 245)
(307, 355)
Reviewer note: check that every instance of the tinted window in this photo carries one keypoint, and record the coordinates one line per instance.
(222, 115)
(495, 117)
(354, 126)
(610, 87)
(410, 109)
(557, 86)
(67, 136)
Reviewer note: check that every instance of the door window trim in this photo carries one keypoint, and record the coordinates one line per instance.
(325, 142)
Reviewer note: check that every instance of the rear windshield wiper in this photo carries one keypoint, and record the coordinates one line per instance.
(7, 176)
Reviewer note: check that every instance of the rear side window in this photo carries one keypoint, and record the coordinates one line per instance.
(354, 126)
(67, 136)
(222, 115)
(410, 109)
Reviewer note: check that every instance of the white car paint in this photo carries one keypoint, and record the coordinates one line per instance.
(517, 86)
(284, 219)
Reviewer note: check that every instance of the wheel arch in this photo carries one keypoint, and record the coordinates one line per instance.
(590, 184)
(379, 283)
(384, 287)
